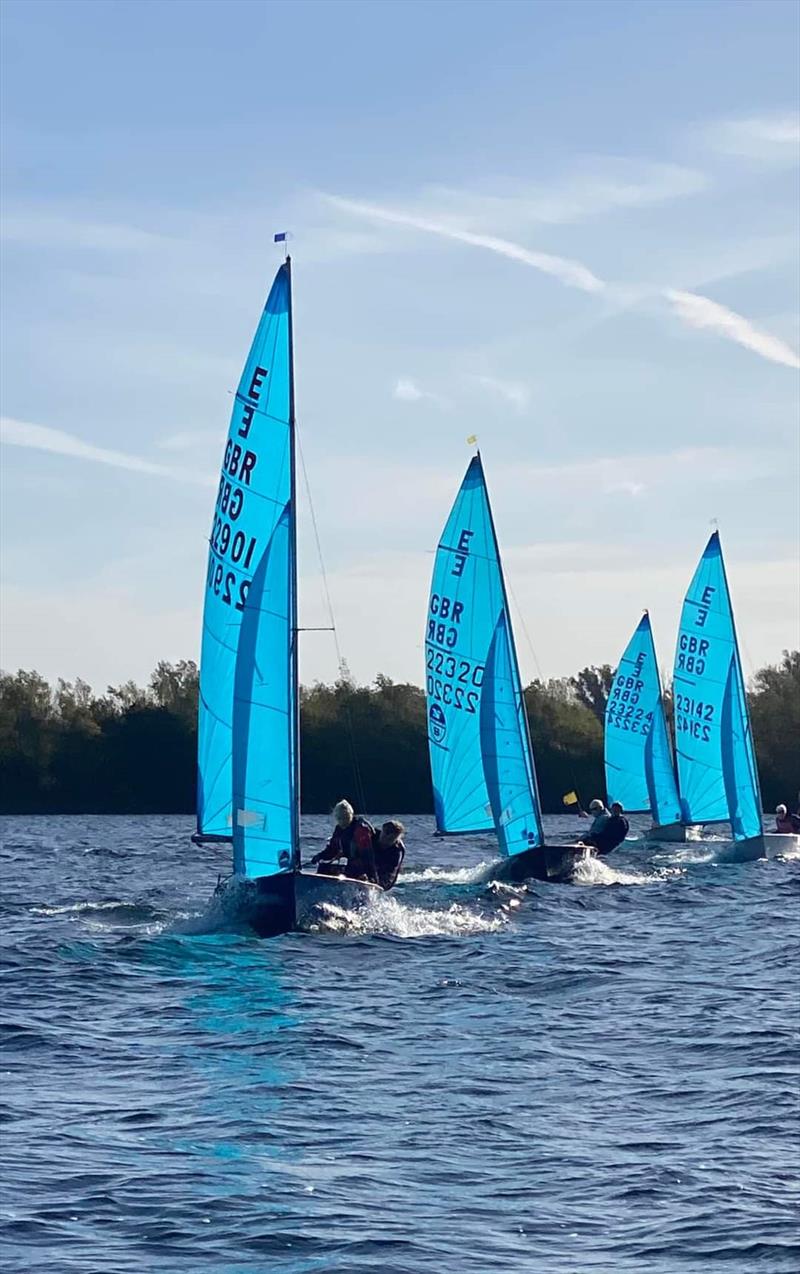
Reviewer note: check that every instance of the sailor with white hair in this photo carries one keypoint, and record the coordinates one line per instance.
(601, 816)
(352, 840)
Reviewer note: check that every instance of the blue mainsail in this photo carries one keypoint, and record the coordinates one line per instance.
(248, 685)
(465, 603)
(639, 767)
(716, 762)
(477, 729)
(507, 758)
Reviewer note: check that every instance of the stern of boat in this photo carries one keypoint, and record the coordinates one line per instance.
(741, 851)
(779, 844)
(674, 833)
(555, 863)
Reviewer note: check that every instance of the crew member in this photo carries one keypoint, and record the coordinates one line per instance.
(389, 852)
(612, 833)
(786, 822)
(600, 817)
(351, 841)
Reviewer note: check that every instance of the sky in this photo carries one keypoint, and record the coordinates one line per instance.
(568, 228)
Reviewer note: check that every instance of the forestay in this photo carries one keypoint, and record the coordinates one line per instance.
(247, 677)
(638, 759)
(505, 742)
(716, 762)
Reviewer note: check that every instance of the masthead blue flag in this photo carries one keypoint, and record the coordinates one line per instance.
(280, 238)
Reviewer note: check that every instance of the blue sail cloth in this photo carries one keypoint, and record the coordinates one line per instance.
(465, 603)
(639, 768)
(480, 752)
(507, 759)
(716, 762)
(254, 499)
(264, 760)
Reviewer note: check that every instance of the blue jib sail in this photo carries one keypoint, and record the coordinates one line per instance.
(639, 769)
(247, 689)
(507, 759)
(469, 766)
(716, 762)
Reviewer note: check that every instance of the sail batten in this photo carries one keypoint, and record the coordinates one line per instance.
(247, 771)
(638, 761)
(716, 760)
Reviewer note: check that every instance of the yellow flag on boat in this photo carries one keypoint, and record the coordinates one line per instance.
(570, 798)
(473, 438)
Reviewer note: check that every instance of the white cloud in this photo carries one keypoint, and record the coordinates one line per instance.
(511, 391)
(701, 313)
(692, 310)
(571, 273)
(408, 391)
(20, 433)
(774, 137)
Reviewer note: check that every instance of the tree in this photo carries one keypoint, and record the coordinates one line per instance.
(592, 687)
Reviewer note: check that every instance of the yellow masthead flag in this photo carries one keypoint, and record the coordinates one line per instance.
(570, 798)
(473, 438)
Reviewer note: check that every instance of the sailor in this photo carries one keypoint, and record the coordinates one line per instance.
(389, 852)
(600, 817)
(612, 833)
(786, 822)
(351, 840)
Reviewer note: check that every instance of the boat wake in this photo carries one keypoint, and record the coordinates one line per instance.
(393, 918)
(110, 915)
(448, 875)
(596, 871)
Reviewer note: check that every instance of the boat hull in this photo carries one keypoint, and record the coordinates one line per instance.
(291, 900)
(742, 851)
(778, 843)
(674, 833)
(556, 863)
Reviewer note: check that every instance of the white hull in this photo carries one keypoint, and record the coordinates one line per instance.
(742, 851)
(674, 834)
(778, 843)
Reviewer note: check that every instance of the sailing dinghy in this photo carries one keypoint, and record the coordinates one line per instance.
(248, 741)
(640, 771)
(717, 774)
(480, 749)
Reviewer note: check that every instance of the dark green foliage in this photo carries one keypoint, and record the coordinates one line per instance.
(65, 750)
(775, 708)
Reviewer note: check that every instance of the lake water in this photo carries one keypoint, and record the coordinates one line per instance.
(558, 1079)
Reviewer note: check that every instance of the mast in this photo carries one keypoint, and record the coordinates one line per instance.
(513, 646)
(294, 716)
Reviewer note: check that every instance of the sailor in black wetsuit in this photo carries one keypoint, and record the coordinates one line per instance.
(389, 851)
(611, 834)
(352, 840)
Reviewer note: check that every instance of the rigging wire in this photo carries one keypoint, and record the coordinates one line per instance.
(344, 671)
(521, 618)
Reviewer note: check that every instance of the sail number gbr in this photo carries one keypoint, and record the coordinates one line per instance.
(454, 682)
(623, 712)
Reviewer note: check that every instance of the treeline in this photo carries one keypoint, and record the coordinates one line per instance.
(132, 750)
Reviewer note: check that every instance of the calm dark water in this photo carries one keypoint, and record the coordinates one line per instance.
(597, 1077)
